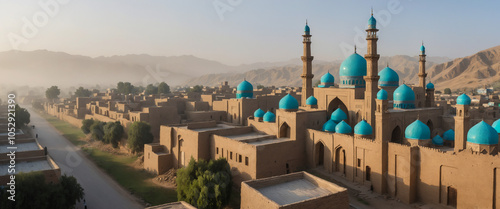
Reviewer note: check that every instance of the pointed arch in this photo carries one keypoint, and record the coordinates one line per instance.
(430, 125)
(319, 154)
(396, 135)
(337, 103)
(284, 131)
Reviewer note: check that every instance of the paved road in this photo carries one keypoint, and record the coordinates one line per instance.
(101, 192)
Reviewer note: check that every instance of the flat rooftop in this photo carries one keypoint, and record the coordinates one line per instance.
(23, 147)
(25, 167)
(269, 141)
(293, 191)
(217, 127)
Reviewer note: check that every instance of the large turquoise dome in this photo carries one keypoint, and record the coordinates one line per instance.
(382, 94)
(496, 125)
(482, 133)
(338, 115)
(289, 102)
(429, 86)
(449, 135)
(463, 100)
(329, 126)
(327, 80)
(269, 117)
(244, 90)
(343, 128)
(404, 97)
(352, 71)
(372, 23)
(388, 77)
(311, 101)
(363, 128)
(437, 140)
(418, 130)
(259, 113)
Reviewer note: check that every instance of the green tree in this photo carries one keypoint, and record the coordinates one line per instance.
(124, 87)
(22, 116)
(97, 130)
(113, 132)
(82, 92)
(139, 133)
(260, 86)
(205, 185)
(163, 88)
(447, 91)
(86, 125)
(197, 88)
(52, 92)
(151, 89)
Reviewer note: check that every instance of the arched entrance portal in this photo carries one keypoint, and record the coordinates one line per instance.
(430, 125)
(340, 161)
(284, 131)
(320, 154)
(396, 135)
(337, 103)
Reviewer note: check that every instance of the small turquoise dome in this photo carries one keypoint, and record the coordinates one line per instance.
(463, 99)
(449, 135)
(327, 80)
(388, 77)
(430, 86)
(496, 125)
(244, 90)
(422, 49)
(329, 126)
(352, 71)
(437, 140)
(372, 23)
(343, 128)
(363, 128)
(289, 102)
(307, 30)
(259, 113)
(382, 94)
(269, 117)
(482, 133)
(404, 97)
(338, 115)
(311, 101)
(418, 130)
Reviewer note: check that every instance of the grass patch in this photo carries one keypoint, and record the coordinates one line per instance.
(119, 167)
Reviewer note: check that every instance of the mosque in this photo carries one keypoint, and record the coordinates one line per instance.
(369, 128)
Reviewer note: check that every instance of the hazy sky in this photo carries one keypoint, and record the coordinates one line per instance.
(245, 31)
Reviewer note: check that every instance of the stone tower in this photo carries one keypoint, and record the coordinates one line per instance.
(307, 75)
(462, 121)
(371, 77)
(421, 67)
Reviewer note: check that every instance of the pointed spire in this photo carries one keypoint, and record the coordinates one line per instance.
(387, 64)
(355, 49)
(306, 21)
(422, 42)
(372, 10)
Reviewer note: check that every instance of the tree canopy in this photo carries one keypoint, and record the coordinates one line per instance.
(197, 88)
(205, 185)
(139, 133)
(151, 89)
(447, 91)
(86, 125)
(124, 87)
(22, 116)
(163, 88)
(82, 92)
(52, 92)
(113, 132)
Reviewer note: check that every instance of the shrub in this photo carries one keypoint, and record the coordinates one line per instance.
(139, 134)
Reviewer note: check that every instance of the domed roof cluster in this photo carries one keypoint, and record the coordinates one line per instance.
(418, 130)
(311, 101)
(343, 128)
(259, 113)
(327, 80)
(482, 133)
(329, 126)
(463, 100)
(449, 135)
(388, 77)
(338, 115)
(244, 90)
(363, 128)
(429, 86)
(437, 140)
(382, 94)
(404, 97)
(352, 71)
(289, 102)
(269, 117)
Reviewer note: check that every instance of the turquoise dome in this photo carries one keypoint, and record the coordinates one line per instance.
(363, 128)
(329, 126)
(259, 113)
(307, 30)
(404, 97)
(429, 86)
(388, 77)
(289, 102)
(449, 135)
(338, 115)
(422, 49)
(382, 94)
(327, 80)
(463, 99)
(343, 128)
(496, 125)
(269, 117)
(244, 90)
(418, 130)
(482, 133)
(311, 101)
(437, 140)
(372, 23)
(352, 71)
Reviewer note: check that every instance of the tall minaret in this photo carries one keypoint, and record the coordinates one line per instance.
(307, 75)
(462, 120)
(371, 77)
(421, 67)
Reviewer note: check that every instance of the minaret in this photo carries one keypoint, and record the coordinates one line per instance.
(421, 67)
(462, 121)
(307, 75)
(371, 77)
